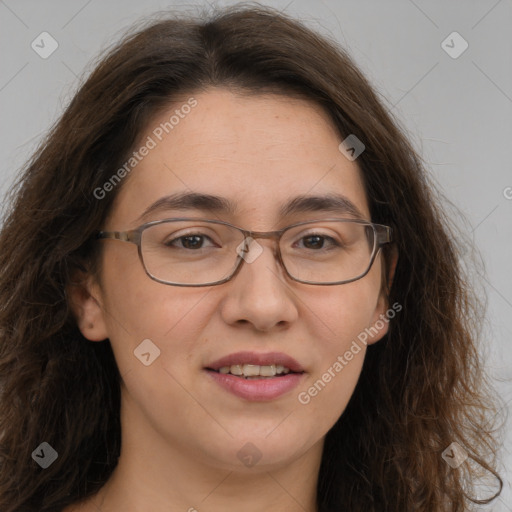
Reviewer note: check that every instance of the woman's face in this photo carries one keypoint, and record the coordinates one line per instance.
(259, 152)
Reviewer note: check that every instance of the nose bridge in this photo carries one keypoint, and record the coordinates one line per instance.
(273, 236)
(269, 235)
(259, 296)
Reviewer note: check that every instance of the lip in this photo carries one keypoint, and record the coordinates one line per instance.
(257, 390)
(277, 358)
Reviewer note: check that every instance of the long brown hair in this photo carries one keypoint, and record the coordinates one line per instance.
(421, 386)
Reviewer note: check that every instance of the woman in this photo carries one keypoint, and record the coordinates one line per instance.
(226, 283)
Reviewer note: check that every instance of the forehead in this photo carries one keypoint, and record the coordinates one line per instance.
(257, 151)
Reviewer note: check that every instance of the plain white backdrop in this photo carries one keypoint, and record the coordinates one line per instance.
(444, 69)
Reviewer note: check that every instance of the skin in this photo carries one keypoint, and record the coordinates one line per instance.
(181, 432)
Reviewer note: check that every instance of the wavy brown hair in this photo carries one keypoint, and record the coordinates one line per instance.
(421, 386)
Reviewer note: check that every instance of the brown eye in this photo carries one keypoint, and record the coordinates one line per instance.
(318, 241)
(191, 241)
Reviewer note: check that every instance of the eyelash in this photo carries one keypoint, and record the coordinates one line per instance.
(202, 235)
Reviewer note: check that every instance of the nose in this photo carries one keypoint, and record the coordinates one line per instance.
(260, 293)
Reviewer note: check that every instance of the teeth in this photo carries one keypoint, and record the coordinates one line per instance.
(250, 371)
(268, 371)
(236, 369)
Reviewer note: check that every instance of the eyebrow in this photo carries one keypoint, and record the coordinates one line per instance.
(335, 203)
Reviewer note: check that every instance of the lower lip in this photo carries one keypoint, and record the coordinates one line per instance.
(257, 390)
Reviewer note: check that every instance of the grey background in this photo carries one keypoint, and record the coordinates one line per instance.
(458, 111)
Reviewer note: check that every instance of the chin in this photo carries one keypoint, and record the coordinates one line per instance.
(253, 452)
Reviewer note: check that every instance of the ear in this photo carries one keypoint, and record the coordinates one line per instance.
(382, 314)
(84, 295)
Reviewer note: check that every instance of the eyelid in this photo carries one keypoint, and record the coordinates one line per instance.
(231, 223)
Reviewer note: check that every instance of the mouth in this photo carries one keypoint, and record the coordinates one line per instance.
(254, 371)
(250, 365)
(256, 377)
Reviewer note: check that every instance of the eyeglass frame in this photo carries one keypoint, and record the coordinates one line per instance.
(382, 235)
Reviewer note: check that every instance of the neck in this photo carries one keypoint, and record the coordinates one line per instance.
(154, 473)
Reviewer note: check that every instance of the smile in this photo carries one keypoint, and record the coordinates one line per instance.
(256, 377)
(255, 371)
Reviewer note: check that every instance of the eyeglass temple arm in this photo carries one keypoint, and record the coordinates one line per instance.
(125, 236)
(384, 234)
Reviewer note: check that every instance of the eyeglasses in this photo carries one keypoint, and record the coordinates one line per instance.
(201, 252)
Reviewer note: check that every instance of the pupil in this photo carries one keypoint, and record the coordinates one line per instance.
(317, 241)
(195, 244)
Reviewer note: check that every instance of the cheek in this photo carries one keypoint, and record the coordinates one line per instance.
(136, 308)
(327, 392)
(335, 321)
(337, 315)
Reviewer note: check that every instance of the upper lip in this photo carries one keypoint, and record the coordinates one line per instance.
(267, 359)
